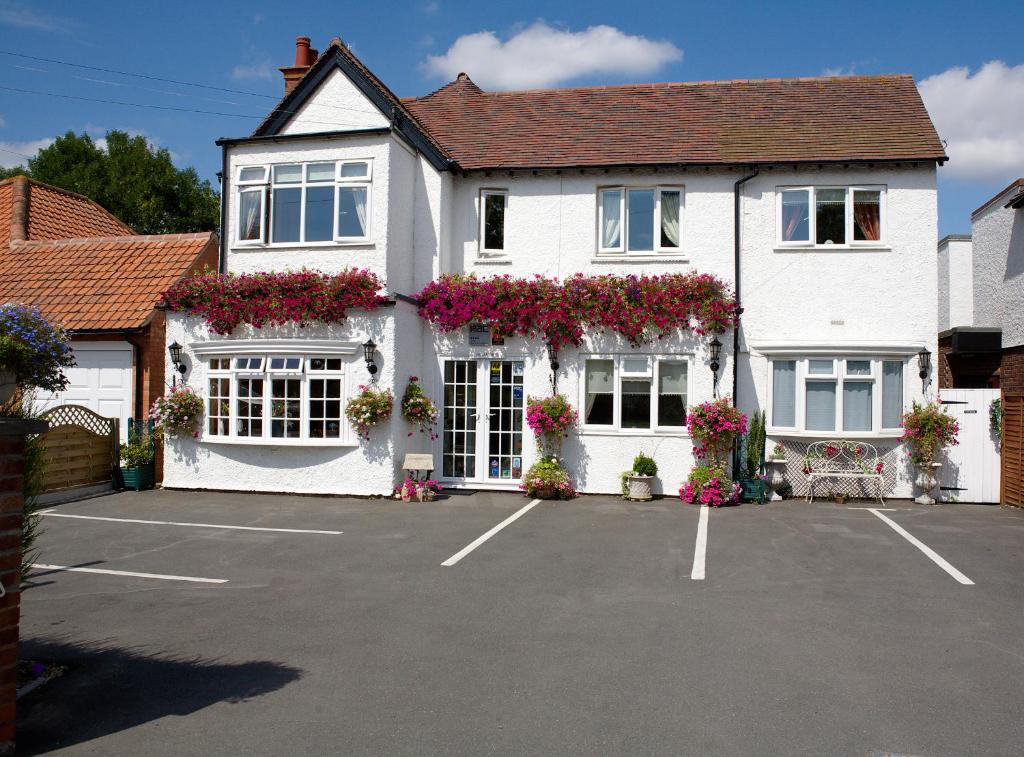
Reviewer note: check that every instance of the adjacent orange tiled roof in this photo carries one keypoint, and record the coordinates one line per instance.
(98, 283)
(855, 118)
(52, 213)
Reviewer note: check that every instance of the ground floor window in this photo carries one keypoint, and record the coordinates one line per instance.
(836, 394)
(630, 392)
(280, 399)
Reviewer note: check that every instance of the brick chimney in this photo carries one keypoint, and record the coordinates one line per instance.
(19, 209)
(305, 56)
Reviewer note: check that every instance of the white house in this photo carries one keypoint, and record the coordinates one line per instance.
(814, 199)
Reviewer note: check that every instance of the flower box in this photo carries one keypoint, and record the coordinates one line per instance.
(139, 477)
(754, 489)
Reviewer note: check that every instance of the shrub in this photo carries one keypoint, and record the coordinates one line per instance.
(418, 409)
(708, 485)
(644, 465)
(713, 427)
(927, 430)
(177, 413)
(368, 408)
(547, 479)
(34, 349)
(550, 419)
(32, 483)
(755, 444)
(137, 452)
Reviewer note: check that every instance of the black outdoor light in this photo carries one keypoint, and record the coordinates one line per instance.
(715, 348)
(553, 359)
(179, 367)
(924, 364)
(368, 351)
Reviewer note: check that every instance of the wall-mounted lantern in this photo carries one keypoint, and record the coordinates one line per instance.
(715, 349)
(553, 360)
(179, 367)
(369, 349)
(924, 365)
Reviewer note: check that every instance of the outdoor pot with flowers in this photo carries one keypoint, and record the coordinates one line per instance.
(368, 408)
(177, 413)
(418, 409)
(33, 352)
(420, 491)
(551, 419)
(709, 485)
(713, 426)
(927, 430)
(547, 479)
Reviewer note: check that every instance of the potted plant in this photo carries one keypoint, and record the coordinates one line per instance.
(927, 430)
(638, 480)
(708, 485)
(421, 491)
(839, 497)
(418, 409)
(368, 408)
(551, 419)
(776, 464)
(713, 426)
(177, 413)
(137, 467)
(753, 483)
(547, 479)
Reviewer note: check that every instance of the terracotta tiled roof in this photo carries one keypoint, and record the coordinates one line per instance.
(51, 213)
(99, 283)
(704, 123)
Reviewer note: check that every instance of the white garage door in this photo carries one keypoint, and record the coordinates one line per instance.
(101, 380)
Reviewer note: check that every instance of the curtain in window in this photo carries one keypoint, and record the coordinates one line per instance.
(867, 216)
(250, 204)
(892, 393)
(598, 384)
(669, 219)
(361, 210)
(795, 213)
(610, 213)
(821, 406)
(784, 393)
(857, 405)
(352, 212)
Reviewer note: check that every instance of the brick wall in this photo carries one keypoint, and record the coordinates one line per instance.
(945, 371)
(1011, 370)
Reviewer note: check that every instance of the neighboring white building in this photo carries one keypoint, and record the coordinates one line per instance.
(829, 182)
(956, 282)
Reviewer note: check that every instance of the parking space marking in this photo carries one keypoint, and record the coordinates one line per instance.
(700, 551)
(481, 539)
(193, 525)
(934, 556)
(132, 574)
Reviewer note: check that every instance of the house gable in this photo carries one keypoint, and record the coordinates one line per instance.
(336, 104)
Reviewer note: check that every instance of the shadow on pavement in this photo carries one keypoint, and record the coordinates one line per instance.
(107, 689)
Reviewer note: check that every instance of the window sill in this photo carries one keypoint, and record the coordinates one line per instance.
(612, 432)
(616, 257)
(493, 260)
(260, 442)
(369, 244)
(834, 248)
(791, 434)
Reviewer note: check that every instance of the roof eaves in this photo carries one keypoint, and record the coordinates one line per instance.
(1016, 187)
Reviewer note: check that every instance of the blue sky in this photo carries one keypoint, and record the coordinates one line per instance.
(967, 58)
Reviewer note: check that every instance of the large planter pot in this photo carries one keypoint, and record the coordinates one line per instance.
(753, 489)
(639, 488)
(545, 492)
(140, 477)
(927, 479)
(776, 476)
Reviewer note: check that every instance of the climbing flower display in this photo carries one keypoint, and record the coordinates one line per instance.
(927, 430)
(713, 426)
(551, 419)
(418, 409)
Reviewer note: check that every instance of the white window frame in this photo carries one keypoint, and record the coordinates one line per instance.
(838, 376)
(623, 247)
(245, 187)
(811, 190)
(489, 252)
(652, 373)
(303, 374)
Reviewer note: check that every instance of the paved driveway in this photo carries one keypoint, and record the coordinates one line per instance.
(578, 627)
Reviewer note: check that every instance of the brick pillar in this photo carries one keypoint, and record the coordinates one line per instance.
(12, 467)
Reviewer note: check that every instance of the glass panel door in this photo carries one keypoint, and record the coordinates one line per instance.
(459, 437)
(505, 420)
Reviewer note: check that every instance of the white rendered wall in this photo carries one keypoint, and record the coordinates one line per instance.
(956, 283)
(336, 106)
(998, 235)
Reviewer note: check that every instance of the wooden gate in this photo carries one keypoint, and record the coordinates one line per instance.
(970, 470)
(1013, 449)
(81, 451)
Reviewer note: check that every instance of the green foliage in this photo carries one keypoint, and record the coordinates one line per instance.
(755, 444)
(547, 479)
(32, 348)
(133, 180)
(31, 485)
(644, 465)
(137, 452)
(995, 417)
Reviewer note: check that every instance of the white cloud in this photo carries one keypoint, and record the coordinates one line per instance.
(264, 70)
(431, 8)
(23, 17)
(541, 56)
(14, 153)
(980, 118)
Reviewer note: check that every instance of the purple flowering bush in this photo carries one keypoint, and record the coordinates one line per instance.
(32, 348)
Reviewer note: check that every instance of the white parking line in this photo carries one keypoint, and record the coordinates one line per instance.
(193, 525)
(106, 572)
(481, 539)
(934, 556)
(700, 551)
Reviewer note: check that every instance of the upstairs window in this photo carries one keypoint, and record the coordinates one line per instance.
(830, 216)
(325, 201)
(493, 203)
(639, 219)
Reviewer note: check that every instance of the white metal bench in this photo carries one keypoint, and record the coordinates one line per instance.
(839, 458)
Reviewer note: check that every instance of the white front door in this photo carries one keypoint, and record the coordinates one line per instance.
(101, 380)
(970, 470)
(482, 421)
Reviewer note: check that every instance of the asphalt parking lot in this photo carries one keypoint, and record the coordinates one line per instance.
(583, 627)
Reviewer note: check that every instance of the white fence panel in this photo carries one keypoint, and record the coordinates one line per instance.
(970, 470)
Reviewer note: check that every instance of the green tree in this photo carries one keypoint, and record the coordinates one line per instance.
(133, 180)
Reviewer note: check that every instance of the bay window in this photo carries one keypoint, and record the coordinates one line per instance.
(635, 393)
(300, 203)
(639, 219)
(276, 399)
(830, 216)
(836, 395)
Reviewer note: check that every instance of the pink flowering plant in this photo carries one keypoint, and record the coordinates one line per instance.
(274, 298)
(927, 430)
(551, 419)
(177, 413)
(418, 409)
(639, 308)
(713, 426)
(547, 479)
(410, 489)
(708, 485)
(368, 408)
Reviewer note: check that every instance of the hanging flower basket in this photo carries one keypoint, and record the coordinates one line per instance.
(551, 419)
(368, 408)
(418, 409)
(177, 413)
